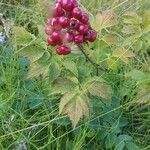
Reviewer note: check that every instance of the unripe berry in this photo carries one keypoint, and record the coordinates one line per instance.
(55, 23)
(64, 21)
(79, 39)
(67, 5)
(48, 30)
(63, 50)
(76, 13)
(83, 28)
(58, 11)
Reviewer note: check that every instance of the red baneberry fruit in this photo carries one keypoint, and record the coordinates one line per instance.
(76, 13)
(64, 21)
(83, 28)
(57, 36)
(51, 41)
(85, 18)
(58, 11)
(78, 39)
(93, 35)
(69, 37)
(63, 50)
(67, 5)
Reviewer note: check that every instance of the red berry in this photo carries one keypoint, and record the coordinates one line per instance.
(64, 21)
(75, 3)
(56, 35)
(74, 24)
(79, 39)
(83, 28)
(51, 41)
(69, 37)
(63, 50)
(93, 35)
(76, 13)
(58, 11)
(67, 5)
(85, 18)
(48, 30)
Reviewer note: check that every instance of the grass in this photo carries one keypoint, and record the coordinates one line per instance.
(29, 117)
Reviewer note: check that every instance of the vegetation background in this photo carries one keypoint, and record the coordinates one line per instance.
(48, 102)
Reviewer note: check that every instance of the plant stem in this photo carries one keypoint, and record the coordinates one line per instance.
(97, 66)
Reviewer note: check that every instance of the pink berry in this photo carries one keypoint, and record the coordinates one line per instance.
(58, 1)
(49, 21)
(79, 39)
(55, 23)
(48, 30)
(76, 13)
(64, 21)
(93, 35)
(83, 28)
(74, 24)
(67, 5)
(51, 41)
(63, 50)
(85, 18)
(58, 11)
(69, 37)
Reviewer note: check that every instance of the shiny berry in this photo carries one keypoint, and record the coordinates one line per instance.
(75, 3)
(84, 18)
(79, 39)
(56, 35)
(58, 11)
(93, 35)
(64, 21)
(76, 13)
(51, 41)
(83, 28)
(74, 24)
(69, 37)
(63, 50)
(48, 30)
(67, 5)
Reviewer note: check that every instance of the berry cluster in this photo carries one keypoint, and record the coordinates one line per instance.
(68, 25)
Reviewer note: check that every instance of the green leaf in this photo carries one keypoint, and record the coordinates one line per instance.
(120, 146)
(71, 66)
(33, 52)
(132, 18)
(123, 54)
(146, 21)
(110, 140)
(125, 137)
(132, 146)
(20, 36)
(99, 88)
(38, 68)
(104, 20)
(137, 75)
(75, 106)
(54, 71)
